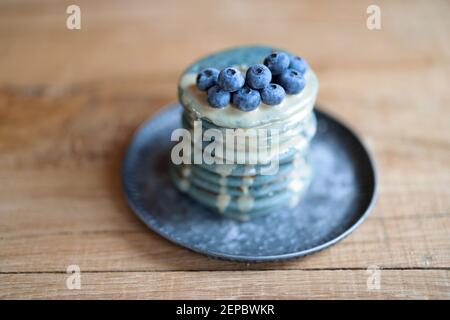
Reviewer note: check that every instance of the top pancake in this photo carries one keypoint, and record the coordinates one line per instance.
(293, 107)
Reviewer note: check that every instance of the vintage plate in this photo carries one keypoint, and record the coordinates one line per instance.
(340, 197)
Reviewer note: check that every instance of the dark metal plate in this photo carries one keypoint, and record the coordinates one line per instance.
(339, 198)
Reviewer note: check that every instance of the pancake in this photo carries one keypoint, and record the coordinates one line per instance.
(241, 204)
(246, 189)
(255, 185)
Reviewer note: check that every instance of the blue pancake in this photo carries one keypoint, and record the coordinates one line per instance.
(305, 128)
(239, 186)
(238, 181)
(241, 206)
(242, 191)
(283, 158)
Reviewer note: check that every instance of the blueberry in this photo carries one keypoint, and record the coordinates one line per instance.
(292, 81)
(258, 76)
(277, 62)
(207, 78)
(217, 97)
(272, 94)
(230, 79)
(246, 99)
(298, 64)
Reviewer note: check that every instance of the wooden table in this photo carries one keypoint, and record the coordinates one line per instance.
(71, 99)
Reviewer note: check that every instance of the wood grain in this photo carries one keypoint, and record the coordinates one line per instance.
(275, 284)
(70, 101)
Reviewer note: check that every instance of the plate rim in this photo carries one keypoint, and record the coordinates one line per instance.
(139, 212)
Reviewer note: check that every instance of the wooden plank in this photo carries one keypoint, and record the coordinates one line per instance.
(344, 284)
(328, 33)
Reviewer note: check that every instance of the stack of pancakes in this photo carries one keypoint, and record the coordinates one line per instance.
(244, 189)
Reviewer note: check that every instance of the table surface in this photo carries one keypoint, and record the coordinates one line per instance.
(71, 99)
